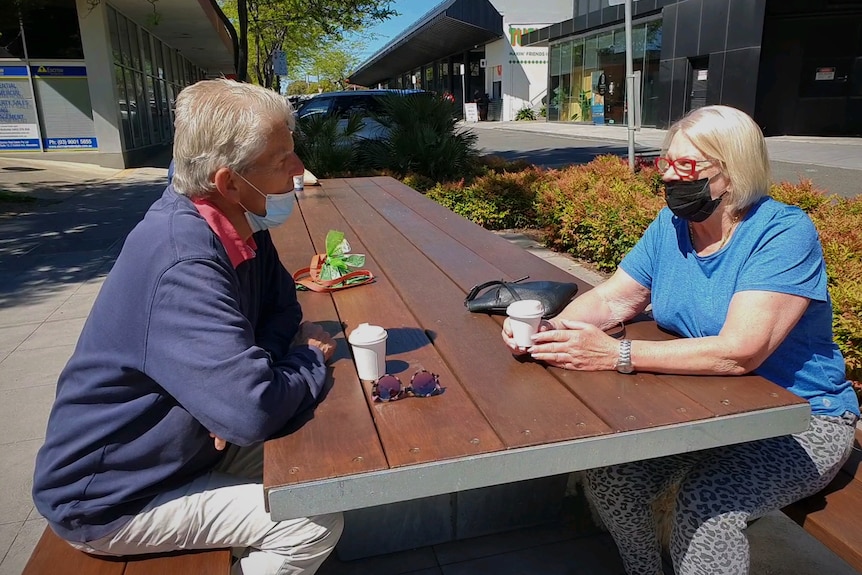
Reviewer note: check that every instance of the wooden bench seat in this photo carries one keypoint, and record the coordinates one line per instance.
(53, 555)
(833, 515)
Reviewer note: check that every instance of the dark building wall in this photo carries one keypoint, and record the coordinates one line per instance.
(721, 36)
(794, 65)
(811, 68)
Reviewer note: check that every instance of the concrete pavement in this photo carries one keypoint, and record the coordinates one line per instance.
(843, 153)
(54, 255)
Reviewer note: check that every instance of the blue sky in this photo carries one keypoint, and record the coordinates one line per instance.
(409, 11)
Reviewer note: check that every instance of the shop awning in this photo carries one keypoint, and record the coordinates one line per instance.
(450, 28)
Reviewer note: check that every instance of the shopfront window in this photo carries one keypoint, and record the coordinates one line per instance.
(50, 28)
(587, 75)
(149, 75)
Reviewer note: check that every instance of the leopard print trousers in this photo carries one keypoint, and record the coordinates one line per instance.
(720, 490)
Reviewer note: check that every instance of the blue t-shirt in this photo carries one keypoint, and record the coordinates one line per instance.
(775, 248)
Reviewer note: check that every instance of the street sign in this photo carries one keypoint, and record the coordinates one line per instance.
(279, 63)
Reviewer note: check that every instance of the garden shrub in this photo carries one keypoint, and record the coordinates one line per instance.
(597, 211)
(525, 113)
(494, 200)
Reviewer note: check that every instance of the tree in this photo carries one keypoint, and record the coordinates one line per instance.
(335, 62)
(296, 26)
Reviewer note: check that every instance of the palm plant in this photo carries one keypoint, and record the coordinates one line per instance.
(326, 144)
(421, 138)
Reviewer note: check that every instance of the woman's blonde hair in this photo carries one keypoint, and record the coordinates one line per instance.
(222, 123)
(732, 138)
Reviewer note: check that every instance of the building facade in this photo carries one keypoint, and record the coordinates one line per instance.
(483, 36)
(95, 80)
(794, 65)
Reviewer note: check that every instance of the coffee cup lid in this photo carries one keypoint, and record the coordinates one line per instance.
(367, 333)
(525, 308)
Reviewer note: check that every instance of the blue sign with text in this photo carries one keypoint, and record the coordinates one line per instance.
(59, 71)
(13, 71)
(20, 144)
(68, 143)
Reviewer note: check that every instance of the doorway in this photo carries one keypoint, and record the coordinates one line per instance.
(697, 84)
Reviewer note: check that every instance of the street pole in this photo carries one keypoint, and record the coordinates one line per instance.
(630, 86)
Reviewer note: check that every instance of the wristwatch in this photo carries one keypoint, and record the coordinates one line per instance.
(624, 362)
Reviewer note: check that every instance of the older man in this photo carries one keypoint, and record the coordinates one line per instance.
(192, 355)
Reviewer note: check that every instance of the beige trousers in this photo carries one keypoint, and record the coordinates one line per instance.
(222, 509)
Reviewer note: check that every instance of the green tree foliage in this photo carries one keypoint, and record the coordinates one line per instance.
(333, 63)
(299, 27)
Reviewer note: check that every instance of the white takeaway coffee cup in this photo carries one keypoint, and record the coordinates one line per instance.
(524, 319)
(369, 350)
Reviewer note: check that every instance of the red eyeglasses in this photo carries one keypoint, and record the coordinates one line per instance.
(422, 384)
(685, 168)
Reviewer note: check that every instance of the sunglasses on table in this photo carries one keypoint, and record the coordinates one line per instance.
(422, 384)
(685, 168)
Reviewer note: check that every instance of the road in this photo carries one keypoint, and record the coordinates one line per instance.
(551, 151)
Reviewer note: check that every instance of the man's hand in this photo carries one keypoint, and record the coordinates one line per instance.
(312, 334)
(220, 443)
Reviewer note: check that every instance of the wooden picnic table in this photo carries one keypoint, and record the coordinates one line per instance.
(500, 420)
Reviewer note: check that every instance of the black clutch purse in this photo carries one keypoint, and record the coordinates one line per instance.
(553, 295)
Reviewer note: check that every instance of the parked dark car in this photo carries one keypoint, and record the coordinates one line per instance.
(364, 103)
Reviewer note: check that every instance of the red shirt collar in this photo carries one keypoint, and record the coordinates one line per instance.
(237, 250)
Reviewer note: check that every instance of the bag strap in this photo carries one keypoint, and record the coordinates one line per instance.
(310, 277)
(474, 291)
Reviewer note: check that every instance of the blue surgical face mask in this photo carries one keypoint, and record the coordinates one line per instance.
(278, 209)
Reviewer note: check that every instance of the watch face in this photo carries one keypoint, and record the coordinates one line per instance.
(626, 368)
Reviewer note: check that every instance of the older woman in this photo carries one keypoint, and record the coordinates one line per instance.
(741, 278)
(193, 354)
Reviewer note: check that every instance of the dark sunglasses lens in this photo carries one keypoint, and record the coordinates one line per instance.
(423, 384)
(388, 387)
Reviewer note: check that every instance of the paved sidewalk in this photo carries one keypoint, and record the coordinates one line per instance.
(827, 152)
(55, 254)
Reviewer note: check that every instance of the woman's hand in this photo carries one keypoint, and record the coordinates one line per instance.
(314, 335)
(576, 345)
(510, 343)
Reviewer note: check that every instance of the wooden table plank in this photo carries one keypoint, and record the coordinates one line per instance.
(412, 430)
(610, 395)
(513, 396)
(338, 436)
(512, 260)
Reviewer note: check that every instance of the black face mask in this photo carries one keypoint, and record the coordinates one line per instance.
(691, 200)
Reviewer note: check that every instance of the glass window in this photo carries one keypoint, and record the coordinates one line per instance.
(566, 58)
(134, 48)
(50, 28)
(123, 31)
(123, 104)
(591, 56)
(160, 61)
(147, 52)
(115, 36)
(132, 101)
(554, 60)
(583, 7)
(650, 73)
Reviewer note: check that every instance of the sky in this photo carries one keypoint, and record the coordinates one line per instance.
(408, 12)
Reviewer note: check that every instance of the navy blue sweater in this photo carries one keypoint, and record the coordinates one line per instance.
(178, 344)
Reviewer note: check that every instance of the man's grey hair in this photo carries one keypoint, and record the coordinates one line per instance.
(222, 124)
